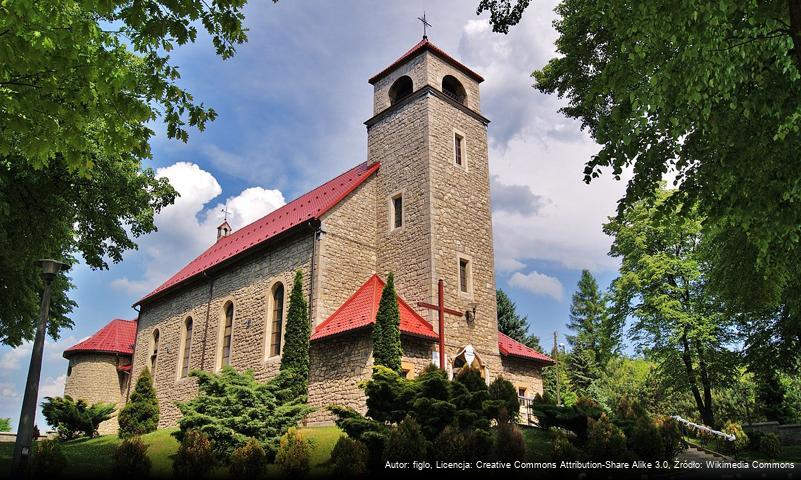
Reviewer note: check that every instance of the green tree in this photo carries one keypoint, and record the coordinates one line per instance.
(296, 338)
(770, 393)
(82, 84)
(232, 407)
(513, 325)
(141, 414)
(711, 91)
(72, 418)
(5, 424)
(677, 321)
(387, 349)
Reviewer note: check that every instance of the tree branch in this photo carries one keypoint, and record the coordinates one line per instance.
(795, 29)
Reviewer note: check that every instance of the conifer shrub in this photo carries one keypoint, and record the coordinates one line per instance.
(672, 441)
(406, 442)
(195, 456)
(432, 406)
(605, 440)
(770, 446)
(646, 440)
(504, 403)
(73, 418)
(130, 459)
(47, 460)
(232, 407)
(509, 442)
(562, 448)
(387, 349)
(141, 414)
(452, 445)
(293, 454)
(349, 458)
(295, 355)
(740, 442)
(389, 396)
(469, 395)
(249, 460)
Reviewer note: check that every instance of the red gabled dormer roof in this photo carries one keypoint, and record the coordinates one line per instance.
(303, 209)
(118, 336)
(421, 46)
(512, 348)
(360, 309)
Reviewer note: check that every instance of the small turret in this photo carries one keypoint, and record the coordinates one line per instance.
(223, 230)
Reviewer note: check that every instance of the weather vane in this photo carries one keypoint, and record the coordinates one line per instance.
(425, 24)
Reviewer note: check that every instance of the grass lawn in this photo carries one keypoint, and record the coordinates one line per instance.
(92, 457)
(538, 444)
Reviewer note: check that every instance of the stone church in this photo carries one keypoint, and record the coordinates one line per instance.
(419, 206)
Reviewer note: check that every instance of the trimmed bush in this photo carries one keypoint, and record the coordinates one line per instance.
(47, 460)
(562, 449)
(141, 414)
(349, 458)
(509, 443)
(741, 439)
(387, 350)
(770, 446)
(406, 442)
(293, 454)
(130, 459)
(72, 419)
(504, 405)
(249, 460)
(195, 456)
(605, 440)
(451, 445)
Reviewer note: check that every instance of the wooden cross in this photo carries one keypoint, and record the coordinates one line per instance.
(425, 24)
(442, 310)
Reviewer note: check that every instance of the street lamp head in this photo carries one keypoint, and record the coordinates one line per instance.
(51, 268)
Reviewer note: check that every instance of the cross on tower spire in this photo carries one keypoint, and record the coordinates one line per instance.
(425, 24)
(225, 212)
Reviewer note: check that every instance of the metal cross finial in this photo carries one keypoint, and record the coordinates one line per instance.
(225, 212)
(425, 24)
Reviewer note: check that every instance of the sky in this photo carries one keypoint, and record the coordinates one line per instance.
(291, 107)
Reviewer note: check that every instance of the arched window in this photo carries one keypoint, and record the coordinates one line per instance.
(454, 89)
(401, 89)
(227, 329)
(186, 352)
(154, 351)
(277, 319)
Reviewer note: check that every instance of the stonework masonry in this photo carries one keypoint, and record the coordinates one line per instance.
(93, 377)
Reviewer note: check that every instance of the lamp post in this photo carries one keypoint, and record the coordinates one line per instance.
(22, 448)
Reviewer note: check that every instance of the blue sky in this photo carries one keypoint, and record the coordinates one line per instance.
(291, 108)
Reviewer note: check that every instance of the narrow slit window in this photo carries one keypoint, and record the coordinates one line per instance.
(227, 330)
(278, 320)
(397, 211)
(187, 351)
(154, 352)
(464, 274)
(458, 142)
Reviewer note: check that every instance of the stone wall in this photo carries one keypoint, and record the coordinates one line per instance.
(347, 250)
(248, 285)
(523, 374)
(436, 69)
(789, 434)
(93, 377)
(414, 69)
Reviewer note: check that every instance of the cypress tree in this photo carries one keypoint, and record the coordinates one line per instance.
(296, 338)
(387, 350)
(141, 414)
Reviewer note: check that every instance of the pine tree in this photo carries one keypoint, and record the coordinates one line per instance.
(511, 324)
(296, 338)
(141, 414)
(387, 350)
(595, 329)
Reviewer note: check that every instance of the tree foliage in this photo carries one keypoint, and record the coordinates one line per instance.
(511, 324)
(678, 322)
(81, 85)
(233, 407)
(387, 349)
(73, 418)
(141, 414)
(295, 356)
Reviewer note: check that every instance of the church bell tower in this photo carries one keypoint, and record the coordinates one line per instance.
(433, 197)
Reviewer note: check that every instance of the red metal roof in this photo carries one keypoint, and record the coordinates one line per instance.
(118, 336)
(307, 207)
(512, 348)
(360, 309)
(424, 44)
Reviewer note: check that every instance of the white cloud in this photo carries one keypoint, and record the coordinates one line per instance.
(11, 360)
(17, 359)
(52, 387)
(189, 226)
(8, 392)
(538, 283)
